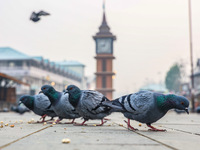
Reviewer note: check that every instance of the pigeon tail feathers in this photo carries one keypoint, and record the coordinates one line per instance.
(115, 105)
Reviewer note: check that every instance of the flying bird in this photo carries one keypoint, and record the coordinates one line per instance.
(39, 104)
(148, 107)
(35, 17)
(60, 103)
(88, 104)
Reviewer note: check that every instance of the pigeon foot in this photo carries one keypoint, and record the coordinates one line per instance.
(129, 126)
(155, 129)
(102, 122)
(57, 121)
(81, 124)
(49, 119)
(106, 119)
(43, 119)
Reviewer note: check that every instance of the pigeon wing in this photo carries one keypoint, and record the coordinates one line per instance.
(42, 102)
(33, 15)
(137, 103)
(42, 13)
(92, 101)
(65, 102)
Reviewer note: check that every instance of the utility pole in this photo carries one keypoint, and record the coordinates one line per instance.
(191, 55)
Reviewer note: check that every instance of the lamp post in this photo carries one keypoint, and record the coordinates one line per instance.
(191, 55)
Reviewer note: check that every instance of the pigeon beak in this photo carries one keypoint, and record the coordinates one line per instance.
(20, 102)
(186, 109)
(40, 92)
(66, 92)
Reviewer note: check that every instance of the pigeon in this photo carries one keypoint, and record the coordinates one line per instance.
(21, 109)
(39, 104)
(60, 103)
(148, 107)
(35, 17)
(88, 104)
(198, 109)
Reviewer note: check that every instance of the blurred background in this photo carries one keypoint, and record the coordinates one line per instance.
(152, 47)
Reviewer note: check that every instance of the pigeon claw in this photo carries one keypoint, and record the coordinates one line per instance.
(155, 129)
(102, 122)
(129, 126)
(107, 119)
(43, 118)
(81, 124)
(41, 121)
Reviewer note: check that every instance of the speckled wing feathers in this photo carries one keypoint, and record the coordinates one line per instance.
(90, 105)
(91, 101)
(137, 102)
(64, 109)
(65, 101)
(42, 106)
(42, 102)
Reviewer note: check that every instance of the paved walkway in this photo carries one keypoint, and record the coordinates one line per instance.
(183, 132)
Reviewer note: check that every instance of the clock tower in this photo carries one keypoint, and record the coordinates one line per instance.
(104, 57)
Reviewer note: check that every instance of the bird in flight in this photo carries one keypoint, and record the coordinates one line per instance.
(35, 17)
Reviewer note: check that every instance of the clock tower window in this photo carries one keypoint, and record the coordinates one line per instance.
(104, 81)
(104, 65)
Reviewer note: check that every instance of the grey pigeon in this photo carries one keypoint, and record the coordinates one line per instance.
(35, 17)
(39, 104)
(148, 107)
(88, 104)
(60, 103)
(21, 109)
(198, 109)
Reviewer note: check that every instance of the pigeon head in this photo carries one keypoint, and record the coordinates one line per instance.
(166, 102)
(74, 91)
(74, 94)
(27, 100)
(50, 92)
(182, 103)
(46, 89)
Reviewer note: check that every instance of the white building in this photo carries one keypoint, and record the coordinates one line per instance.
(38, 71)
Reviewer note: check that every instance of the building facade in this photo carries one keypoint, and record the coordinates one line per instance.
(36, 71)
(77, 67)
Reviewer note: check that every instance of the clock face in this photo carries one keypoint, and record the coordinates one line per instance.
(104, 45)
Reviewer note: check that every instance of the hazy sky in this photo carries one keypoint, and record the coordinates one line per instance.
(151, 34)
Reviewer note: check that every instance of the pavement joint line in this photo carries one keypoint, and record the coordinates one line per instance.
(122, 144)
(198, 134)
(6, 145)
(177, 124)
(161, 143)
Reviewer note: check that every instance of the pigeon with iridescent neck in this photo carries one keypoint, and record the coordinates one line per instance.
(148, 107)
(39, 104)
(88, 104)
(60, 104)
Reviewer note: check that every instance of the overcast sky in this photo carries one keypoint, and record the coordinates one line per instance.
(151, 34)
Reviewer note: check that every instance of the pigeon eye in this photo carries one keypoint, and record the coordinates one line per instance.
(71, 88)
(182, 103)
(44, 88)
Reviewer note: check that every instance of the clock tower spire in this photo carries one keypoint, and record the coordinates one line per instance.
(104, 58)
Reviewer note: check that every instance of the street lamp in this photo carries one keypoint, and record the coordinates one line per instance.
(191, 55)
